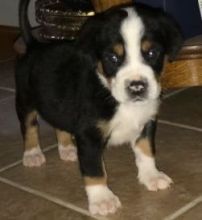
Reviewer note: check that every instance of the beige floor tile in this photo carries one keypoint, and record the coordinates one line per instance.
(18, 205)
(4, 95)
(184, 107)
(7, 74)
(193, 214)
(178, 154)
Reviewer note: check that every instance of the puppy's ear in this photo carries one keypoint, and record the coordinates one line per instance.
(172, 35)
(87, 36)
(94, 32)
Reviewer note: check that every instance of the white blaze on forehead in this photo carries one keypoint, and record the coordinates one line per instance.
(134, 68)
(132, 30)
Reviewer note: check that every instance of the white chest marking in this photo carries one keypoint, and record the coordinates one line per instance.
(129, 121)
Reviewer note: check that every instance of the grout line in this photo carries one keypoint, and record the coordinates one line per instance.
(7, 98)
(7, 89)
(50, 147)
(42, 194)
(7, 60)
(48, 198)
(18, 162)
(189, 127)
(184, 209)
(174, 93)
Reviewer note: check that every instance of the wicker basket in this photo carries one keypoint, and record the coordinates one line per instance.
(58, 21)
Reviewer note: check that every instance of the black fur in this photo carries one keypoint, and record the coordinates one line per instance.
(60, 82)
(149, 132)
(62, 86)
(161, 28)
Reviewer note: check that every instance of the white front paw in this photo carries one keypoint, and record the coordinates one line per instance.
(155, 181)
(102, 201)
(68, 153)
(33, 158)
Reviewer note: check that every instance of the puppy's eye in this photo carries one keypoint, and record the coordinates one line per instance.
(111, 62)
(153, 53)
(113, 58)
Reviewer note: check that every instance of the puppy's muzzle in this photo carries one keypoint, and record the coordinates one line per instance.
(137, 89)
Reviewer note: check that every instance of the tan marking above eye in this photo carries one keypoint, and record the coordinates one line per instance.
(118, 49)
(146, 45)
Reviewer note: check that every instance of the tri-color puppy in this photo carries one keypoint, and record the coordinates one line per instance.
(104, 90)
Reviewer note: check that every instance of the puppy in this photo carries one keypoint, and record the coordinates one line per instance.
(104, 89)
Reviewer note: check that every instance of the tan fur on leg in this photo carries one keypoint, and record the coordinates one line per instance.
(33, 155)
(66, 147)
(101, 199)
(148, 174)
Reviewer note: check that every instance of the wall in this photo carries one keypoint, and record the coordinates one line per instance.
(9, 12)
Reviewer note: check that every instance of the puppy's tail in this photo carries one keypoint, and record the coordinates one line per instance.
(24, 23)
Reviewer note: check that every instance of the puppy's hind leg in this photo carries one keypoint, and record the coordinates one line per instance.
(33, 156)
(66, 148)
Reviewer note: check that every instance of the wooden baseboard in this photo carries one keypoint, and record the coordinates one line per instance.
(9, 29)
(8, 36)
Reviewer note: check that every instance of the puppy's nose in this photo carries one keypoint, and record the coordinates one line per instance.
(137, 88)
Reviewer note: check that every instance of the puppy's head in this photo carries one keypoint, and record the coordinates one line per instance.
(129, 47)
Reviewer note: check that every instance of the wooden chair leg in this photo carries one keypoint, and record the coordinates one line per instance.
(182, 73)
(102, 5)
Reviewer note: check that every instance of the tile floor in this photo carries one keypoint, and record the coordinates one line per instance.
(55, 191)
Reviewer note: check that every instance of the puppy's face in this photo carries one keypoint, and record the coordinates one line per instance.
(130, 49)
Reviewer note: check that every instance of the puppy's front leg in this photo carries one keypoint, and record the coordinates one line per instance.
(148, 174)
(101, 199)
